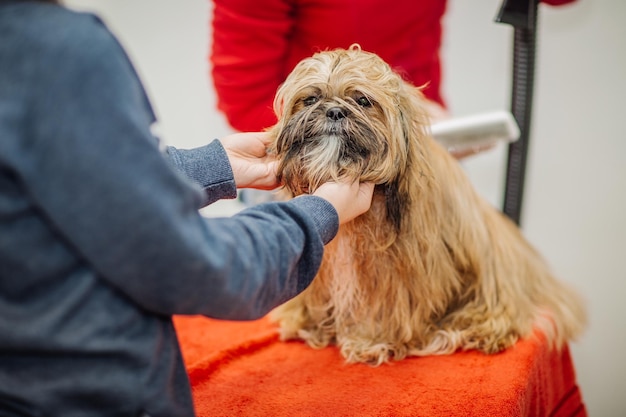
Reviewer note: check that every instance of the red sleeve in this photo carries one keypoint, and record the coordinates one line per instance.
(248, 58)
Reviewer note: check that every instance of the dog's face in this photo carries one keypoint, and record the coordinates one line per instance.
(343, 114)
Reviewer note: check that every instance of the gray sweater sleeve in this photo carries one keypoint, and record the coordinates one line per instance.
(94, 170)
(208, 166)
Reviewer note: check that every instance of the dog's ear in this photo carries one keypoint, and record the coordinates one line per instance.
(414, 175)
(396, 203)
(414, 119)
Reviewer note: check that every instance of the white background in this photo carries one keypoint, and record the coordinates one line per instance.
(575, 203)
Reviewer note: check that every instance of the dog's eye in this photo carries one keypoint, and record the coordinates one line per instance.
(310, 100)
(363, 101)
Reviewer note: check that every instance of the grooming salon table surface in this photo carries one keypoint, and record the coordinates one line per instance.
(243, 369)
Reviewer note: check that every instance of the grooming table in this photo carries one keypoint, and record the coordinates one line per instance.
(243, 369)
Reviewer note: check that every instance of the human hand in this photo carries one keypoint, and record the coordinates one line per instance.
(350, 199)
(252, 166)
(464, 153)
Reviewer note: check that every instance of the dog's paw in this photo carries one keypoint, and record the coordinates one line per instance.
(375, 354)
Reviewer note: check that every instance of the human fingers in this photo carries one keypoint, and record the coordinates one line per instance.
(350, 199)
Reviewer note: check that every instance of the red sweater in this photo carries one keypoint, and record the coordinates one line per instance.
(257, 43)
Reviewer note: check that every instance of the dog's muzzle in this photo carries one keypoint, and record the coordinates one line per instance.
(336, 113)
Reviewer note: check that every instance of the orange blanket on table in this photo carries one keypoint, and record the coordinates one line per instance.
(243, 369)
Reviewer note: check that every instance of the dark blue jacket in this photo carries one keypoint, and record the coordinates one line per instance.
(101, 241)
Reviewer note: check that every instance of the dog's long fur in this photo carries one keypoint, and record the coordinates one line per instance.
(431, 268)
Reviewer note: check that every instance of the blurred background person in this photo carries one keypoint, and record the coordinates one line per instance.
(256, 43)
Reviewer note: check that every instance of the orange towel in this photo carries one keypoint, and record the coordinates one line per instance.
(243, 369)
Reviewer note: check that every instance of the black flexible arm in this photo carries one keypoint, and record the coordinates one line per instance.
(522, 15)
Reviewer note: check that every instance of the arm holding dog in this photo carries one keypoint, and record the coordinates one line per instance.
(252, 167)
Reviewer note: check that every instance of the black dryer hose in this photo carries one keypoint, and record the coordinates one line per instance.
(522, 15)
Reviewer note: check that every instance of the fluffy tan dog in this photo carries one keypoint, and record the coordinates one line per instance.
(431, 268)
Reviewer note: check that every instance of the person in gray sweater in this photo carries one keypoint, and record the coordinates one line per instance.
(101, 239)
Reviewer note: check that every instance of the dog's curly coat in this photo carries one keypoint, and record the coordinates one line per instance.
(431, 268)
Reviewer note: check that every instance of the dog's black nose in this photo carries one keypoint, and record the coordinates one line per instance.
(336, 113)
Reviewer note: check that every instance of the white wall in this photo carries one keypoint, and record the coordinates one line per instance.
(575, 202)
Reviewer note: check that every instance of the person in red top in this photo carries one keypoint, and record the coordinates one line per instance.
(256, 44)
